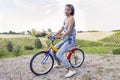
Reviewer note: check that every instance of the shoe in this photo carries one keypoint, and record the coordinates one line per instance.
(70, 74)
(57, 66)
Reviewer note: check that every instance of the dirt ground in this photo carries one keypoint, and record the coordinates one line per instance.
(95, 67)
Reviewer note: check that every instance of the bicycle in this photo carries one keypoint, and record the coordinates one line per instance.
(42, 62)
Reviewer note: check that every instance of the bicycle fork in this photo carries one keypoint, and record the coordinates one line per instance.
(45, 59)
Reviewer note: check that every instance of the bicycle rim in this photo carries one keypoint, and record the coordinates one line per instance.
(77, 58)
(41, 63)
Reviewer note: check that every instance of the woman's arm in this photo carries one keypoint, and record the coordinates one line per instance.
(70, 26)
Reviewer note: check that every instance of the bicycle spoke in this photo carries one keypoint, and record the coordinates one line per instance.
(41, 63)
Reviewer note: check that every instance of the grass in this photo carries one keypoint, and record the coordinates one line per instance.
(113, 39)
(103, 46)
(98, 50)
(19, 44)
(25, 41)
(86, 43)
(95, 47)
(12, 54)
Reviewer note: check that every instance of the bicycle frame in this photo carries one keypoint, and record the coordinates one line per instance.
(71, 52)
(48, 52)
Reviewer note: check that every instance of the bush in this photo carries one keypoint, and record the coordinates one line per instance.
(17, 50)
(28, 48)
(9, 46)
(116, 51)
(43, 34)
(38, 43)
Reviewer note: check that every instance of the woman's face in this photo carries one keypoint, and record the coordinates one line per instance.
(67, 11)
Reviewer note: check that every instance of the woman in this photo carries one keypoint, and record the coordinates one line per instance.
(68, 40)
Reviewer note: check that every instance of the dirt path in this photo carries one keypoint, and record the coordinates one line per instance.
(95, 67)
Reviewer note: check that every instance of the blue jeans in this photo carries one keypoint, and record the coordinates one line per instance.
(63, 46)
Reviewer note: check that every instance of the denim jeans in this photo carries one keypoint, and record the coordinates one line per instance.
(63, 46)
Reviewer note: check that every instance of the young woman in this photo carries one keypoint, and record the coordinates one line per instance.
(68, 40)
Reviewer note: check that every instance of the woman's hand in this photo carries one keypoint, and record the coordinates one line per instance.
(58, 37)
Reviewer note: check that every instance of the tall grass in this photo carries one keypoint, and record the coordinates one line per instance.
(19, 45)
(113, 39)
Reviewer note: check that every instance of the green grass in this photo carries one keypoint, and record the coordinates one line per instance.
(94, 47)
(104, 46)
(12, 54)
(98, 50)
(113, 39)
(25, 41)
(86, 43)
(18, 46)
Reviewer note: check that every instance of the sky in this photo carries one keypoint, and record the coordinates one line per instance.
(23, 15)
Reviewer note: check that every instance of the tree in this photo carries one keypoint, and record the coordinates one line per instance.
(49, 30)
(10, 32)
(29, 32)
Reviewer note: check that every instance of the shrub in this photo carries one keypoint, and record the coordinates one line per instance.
(17, 50)
(116, 51)
(28, 48)
(9, 46)
(43, 34)
(38, 43)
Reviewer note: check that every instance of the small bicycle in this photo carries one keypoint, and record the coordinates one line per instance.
(42, 62)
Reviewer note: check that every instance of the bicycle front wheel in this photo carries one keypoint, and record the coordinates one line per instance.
(41, 63)
(77, 58)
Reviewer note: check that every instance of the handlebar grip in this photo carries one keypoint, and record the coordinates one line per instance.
(51, 37)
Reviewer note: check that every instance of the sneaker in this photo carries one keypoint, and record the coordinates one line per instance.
(70, 74)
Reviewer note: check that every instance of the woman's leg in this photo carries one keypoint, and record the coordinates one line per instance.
(63, 49)
(60, 55)
(58, 45)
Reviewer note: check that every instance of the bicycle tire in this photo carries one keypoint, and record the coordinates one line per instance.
(83, 58)
(33, 58)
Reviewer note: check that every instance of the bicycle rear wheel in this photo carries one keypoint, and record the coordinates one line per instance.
(77, 58)
(41, 63)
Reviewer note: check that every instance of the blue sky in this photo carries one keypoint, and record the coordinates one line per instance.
(22, 15)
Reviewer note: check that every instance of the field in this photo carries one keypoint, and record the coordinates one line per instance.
(93, 36)
(90, 42)
(13, 36)
(15, 45)
(100, 63)
(99, 42)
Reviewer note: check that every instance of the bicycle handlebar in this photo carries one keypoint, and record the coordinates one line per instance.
(52, 38)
